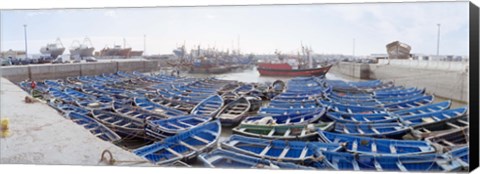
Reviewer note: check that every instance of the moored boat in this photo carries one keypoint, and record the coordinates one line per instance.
(184, 146)
(96, 128)
(228, 159)
(234, 112)
(282, 132)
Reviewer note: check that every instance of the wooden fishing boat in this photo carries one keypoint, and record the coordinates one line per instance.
(149, 106)
(450, 140)
(280, 150)
(366, 162)
(290, 119)
(431, 118)
(234, 112)
(432, 129)
(182, 106)
(125, 126)
(168, 127)
(377, 146)
(126, 109)
(361, 118)
(382, 130)
(208, 107)
(96, 128)
(227, 159)
(255, 103)
(228, 88)
(229, 97)
(184, 146)
(283, 132)
(430, 108)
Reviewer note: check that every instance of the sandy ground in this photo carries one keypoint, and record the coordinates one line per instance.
(40, 135)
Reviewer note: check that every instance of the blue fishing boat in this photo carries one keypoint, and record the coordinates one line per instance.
(281, 150)
(208, 107)
(412, 103)
(66, 108)
(286, 111)
(96, 128)
(227, 159)
(349, 109)
(361, 118)
(377, 146)
(168, 127)
(403, 163)
(459, 155)
(78, 94)
(399, 93)
(381, 130)
(184, 146)
(290, 119)
(244, 89)
(430, 108)
(430, 118)
(101, 102)
(149, 106)
(293, 104)
(60, 95)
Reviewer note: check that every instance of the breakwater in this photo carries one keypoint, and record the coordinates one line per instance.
(444, 79)
(56, 71)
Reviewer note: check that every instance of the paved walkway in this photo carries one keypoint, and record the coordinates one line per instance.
(40, 135)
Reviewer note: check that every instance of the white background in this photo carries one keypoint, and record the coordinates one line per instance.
(34, 4)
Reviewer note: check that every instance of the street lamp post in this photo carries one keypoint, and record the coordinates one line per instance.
(25, 32)
(438, 40)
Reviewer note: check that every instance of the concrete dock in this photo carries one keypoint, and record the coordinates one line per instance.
(40, 135)
(449, 80)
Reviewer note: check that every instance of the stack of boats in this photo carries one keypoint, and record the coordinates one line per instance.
(304, 123)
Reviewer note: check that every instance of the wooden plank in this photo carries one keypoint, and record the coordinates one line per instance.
(265, 150)
(304, 153)
(401, 167)
(393, 149)
(189, 146)
(354, 145)
(201, 139)
(284, 152)
(374, 147)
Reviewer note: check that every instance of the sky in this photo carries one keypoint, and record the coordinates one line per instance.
(326, 28)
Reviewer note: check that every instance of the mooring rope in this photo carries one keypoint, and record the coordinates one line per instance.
(113, 161)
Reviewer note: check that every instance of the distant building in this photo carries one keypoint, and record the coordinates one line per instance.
(13, 54)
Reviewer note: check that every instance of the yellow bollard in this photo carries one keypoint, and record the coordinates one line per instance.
(4, 132)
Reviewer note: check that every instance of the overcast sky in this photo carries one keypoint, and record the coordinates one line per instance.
(327, 28)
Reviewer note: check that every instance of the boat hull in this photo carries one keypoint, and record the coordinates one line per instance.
(294, 73)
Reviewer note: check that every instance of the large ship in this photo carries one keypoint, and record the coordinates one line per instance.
(53, 49)
(292, 66)
(82, 50)
(117, 50)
